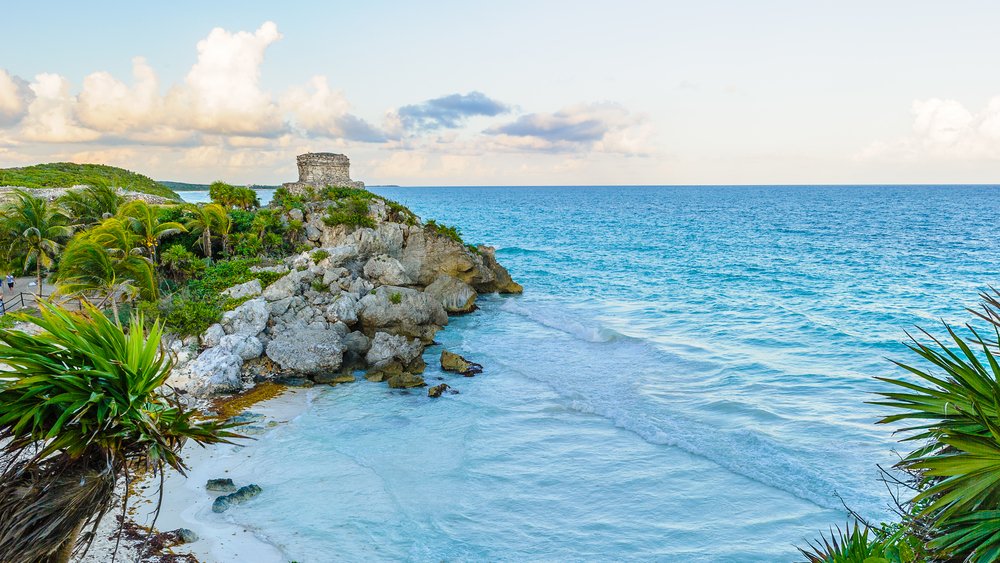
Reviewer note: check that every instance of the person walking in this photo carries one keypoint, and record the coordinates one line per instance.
(10, 282)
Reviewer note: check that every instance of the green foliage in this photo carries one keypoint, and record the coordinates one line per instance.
(228, 196)
(144, 220)
(35, 230)
(66, 174)
(242, 220)
(223, 275)
(319, 286)
(87, 267)
(856, 545)
(188, 315)
(287, 200)
(181, 263)
(319, 255)
(444, 230)
(395, 298)
(352, 211)
(247, 245)
(91, 205)
(83, 402)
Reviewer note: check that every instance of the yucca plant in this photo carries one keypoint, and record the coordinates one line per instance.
(954, 404)
(81, 405)
(858, 544)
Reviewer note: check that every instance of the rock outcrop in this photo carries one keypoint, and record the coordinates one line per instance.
(371, 300)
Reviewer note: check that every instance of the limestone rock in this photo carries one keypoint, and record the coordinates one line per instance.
(427, 255)
(220, 485)
(307, 351)
(458, 364)
(387, 347)
(344, 309)
(249, 318)
(386, 270)
(215, 371)
(406, 381)
(454, 295)
(246, 346)
(239, 291)
(437, 390)
(357, 343)
(212, 335)
(502, 282)
(401, 310)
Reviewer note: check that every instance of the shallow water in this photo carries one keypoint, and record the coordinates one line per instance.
(683, 380)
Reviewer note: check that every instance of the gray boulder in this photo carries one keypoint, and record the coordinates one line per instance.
(454, 295)
(400, 310)
(386, 270)
(307, 350)
(248, 289)
(386, 348)
(215, 371)
(212, 335)
(249, 318)
(246, 346)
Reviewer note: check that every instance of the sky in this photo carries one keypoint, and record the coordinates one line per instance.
(509, 93)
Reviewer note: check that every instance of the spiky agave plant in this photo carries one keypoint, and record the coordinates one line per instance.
(855, 545)
(955, 405)
(81, 406)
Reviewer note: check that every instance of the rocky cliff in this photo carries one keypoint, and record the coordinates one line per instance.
(363, 298)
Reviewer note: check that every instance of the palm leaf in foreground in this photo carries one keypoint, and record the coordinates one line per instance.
(81, 406)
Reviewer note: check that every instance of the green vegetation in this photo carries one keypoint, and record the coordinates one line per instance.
(35, 230)
(351, 211)
(952, 400)
(232, 196)
(319, 255)
(223, 275)
(318, 286)
(444, 230)
(66, 174)
(395, 298)
(83, 408)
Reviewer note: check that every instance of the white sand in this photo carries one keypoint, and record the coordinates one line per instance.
(186, 503)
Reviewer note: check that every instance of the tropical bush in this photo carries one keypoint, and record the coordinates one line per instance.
(223, 275)
(83, 407)
(951, 400)
(34, 230)
(352, 211)
(187, 315)
(227, 196)
(444, 230)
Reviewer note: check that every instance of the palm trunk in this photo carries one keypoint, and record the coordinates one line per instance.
(38, 275)
(114, 305)
(206, 242)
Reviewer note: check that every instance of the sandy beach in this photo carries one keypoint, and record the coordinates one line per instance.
(186, 503)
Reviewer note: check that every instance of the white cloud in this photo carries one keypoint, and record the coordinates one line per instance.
(320, 111)
(944, 130)
(599, 127)
(221, 93)
(109, 105)
(50, 117)
(15, 95)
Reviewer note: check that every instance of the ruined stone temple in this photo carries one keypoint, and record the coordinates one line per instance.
(321, 169)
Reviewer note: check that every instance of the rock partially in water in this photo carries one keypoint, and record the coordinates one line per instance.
(406, 381)
(455, 363)
(437, 390)
(242, 495)
(220, 485)
(455, 295)
(334, 378)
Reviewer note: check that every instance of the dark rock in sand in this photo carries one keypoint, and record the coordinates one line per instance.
(184, 535)
(242, 495)
(220, 485)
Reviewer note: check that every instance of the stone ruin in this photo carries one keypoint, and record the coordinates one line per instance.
(318, 170)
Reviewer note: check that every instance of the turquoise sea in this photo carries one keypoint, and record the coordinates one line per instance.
(684, 378)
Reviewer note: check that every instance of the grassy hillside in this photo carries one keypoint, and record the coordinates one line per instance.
(66, 174)
(186, 187)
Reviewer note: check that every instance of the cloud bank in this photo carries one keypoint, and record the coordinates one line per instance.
(944, 130)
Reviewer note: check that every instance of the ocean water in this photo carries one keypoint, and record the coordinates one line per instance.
(684, 379)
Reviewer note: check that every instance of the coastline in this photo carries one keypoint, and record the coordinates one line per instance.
(186, 503)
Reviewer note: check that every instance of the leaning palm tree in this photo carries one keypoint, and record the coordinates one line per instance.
(144, 220)
(91, 205)
(204, 219)
(87, 268)
(37, 229)
(82, 407)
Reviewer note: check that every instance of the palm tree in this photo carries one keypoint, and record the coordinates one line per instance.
(144, 220)
(83, 404)
(88, 267)
(180, 262)
(203, 219)
(37, 229)
(91, 205)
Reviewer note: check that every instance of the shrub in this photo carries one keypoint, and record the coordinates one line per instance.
(395, 298)
(319, 286)
(352, 212)
(320, 255)
(191, 315)
(444, 230)
(223, 275)
(287, 200)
